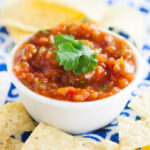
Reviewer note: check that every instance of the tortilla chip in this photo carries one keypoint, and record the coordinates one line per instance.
(127, 20)
(13, 119)
(34, 15)
(97, 8)
(8, 2)
(17, 34)
(133, 134)
(141, 104)
(13, 144)
(45, 137)
(146, 147)
(110, 145)
(90, 144)
(48, 14)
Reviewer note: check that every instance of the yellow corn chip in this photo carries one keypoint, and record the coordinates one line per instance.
(133, 134)
(17, 34)
(146, 147)
(45, 137)
(127, 20)
(91, 144)
(13, 144)
(43, 14)
(110, 145)
(35, 15)
(13, 118)
(97, 7)
(141, 104)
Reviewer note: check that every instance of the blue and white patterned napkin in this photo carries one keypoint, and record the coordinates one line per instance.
(8, 92)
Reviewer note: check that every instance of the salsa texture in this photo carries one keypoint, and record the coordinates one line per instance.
(36, 66)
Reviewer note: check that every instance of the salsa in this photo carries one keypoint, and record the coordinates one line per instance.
(36, 65)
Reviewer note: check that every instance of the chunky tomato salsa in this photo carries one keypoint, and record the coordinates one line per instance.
(75, 62)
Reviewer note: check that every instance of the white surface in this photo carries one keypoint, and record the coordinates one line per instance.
(4, 86)
(1, 3)
(75, 117)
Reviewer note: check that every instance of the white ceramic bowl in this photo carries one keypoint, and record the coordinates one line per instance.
(75, 117)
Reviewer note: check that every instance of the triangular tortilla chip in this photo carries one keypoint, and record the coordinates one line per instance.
(35, 15)
(141, 104)
(97, 7)
(110, 145)
(133, 134)
(13, 119)
(18, 34)
(126, 19)
(146, 147)
(13, 144)
(45, 137)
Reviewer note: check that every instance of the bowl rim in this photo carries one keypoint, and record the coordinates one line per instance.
(69, 104)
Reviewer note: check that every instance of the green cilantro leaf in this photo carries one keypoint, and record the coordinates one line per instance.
(62, 38)
(74, 55)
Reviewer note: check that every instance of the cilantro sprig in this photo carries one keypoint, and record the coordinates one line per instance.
(74, 55)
